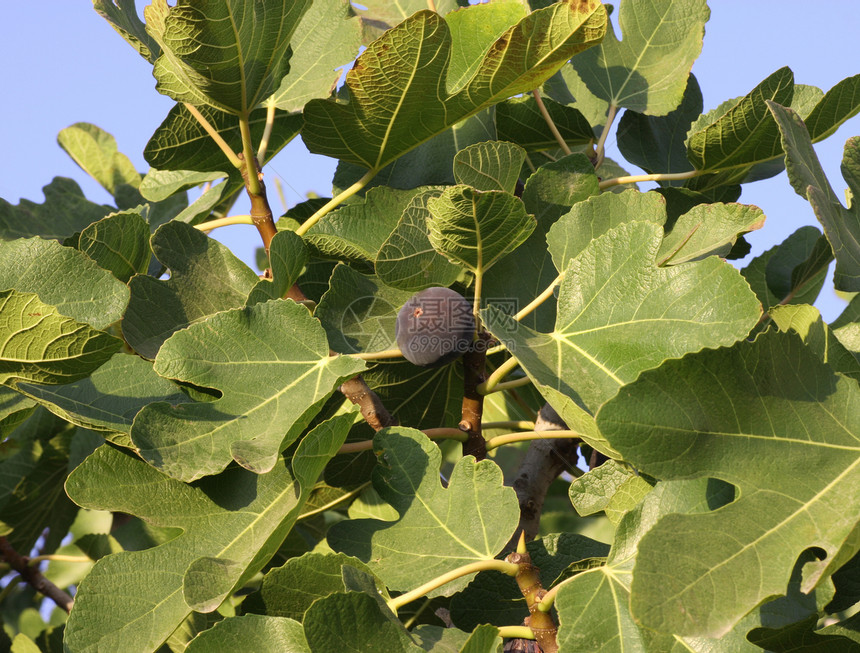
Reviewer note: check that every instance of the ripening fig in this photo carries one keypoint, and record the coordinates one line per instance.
(434, 327)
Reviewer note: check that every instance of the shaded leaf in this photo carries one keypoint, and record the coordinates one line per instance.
(647, 70)
(807, 323)
(358, 312)
(42, 346)
(355, 232)
(251, 632)
(288, 591)
(110, 397)
(394, 82)
(657, 144)
(238, 517)
(181, 143)
(716, 414)
(227, 56)
(612, 488)
(158, 185)
(287, 258)
(496, 599)
(520, 121)
(118, 243)
(64, 212)
(205, 277)
(254, 418)
(122, 16)
(65, 278)
(406, 259)
(477, 228)
(95, 151)
(354, 622)
(841, 225)
(793, 271)
(620, 314)
(488, 166)
(405, 553)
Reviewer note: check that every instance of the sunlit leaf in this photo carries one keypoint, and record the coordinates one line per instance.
(647, 69)
(405, 553)
(226, 55)
(238, 517)
(841, 225)
(620, 314)
(401, 94)
(96, 152)
(717, 414)
(493, 165)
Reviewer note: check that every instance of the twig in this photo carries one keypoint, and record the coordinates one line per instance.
(549, 121)
(529, 582)
(261, 213)
(360, 394)
(34, 577)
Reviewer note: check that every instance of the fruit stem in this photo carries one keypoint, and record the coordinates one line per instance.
(214, 135)
(516, 632)
(209, 225)
(601, 142)
(377, 355)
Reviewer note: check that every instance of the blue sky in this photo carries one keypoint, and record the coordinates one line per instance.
(65, 64)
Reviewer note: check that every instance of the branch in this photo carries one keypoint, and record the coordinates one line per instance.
(549, 121)
(528, 580)
(472, 411)
(34, 577)
(543, 462)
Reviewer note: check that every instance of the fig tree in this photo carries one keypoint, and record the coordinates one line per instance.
(434, 327)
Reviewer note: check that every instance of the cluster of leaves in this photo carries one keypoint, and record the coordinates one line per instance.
(176, 447)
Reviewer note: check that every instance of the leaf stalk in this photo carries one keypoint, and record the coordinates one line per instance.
(336, 201)
(482, 565)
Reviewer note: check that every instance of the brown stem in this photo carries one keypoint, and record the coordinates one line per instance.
(543, 462)
(541, 623)
(261, 213)
(356, 389)
(474, 362)
(34, 577)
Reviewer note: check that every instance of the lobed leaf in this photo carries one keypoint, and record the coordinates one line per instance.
(718, 414)
(841, 225)
(404, 553)
(647, 70)
(95, 151)
(238, 518)
(229, 56)
(476, 228)
(254, 418)
(403, 90)
(118, 243)
(619, 314)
